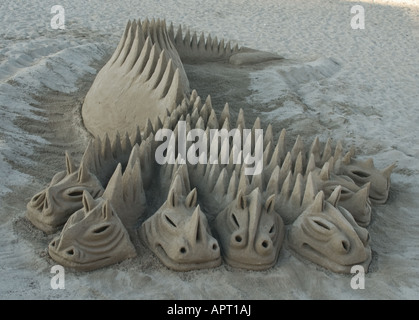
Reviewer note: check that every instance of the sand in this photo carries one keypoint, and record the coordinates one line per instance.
(361, 86)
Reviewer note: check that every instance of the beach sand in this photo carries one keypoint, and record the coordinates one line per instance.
(358, 86)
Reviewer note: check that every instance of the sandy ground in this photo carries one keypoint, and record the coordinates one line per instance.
(361, 86)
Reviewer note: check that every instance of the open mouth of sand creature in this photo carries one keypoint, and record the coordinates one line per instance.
(144, 89)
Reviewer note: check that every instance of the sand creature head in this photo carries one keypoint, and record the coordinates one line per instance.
(362, 172)
(49, 209)
(353, 197)
(250, 232)
(92, 238)
(357, 203)
(329, 236)
(179, 234)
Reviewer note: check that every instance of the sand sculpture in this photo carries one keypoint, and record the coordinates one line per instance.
(194, 216)
(145, 67)
(93, 237)
(179, 234)
(329, 236)
(49, 209)
(250, 232)
(362, 172)
(101, 232)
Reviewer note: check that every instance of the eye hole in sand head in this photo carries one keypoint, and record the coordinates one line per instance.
(236, 222)
(170, 221)
(360, 174)
(101, 229)
(344, 191)
(76, 194)
(272, 229)
(321, 224)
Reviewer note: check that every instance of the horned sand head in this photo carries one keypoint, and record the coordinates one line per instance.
(92, 238)
(49, 209)
(178, 233)
(250, 232)
(99, 234)
(353, 198)
(329, 236)
(363, 172)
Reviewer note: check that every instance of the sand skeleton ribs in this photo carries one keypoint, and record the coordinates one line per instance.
(194, 216)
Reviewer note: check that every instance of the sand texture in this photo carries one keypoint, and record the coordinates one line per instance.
(358, 86)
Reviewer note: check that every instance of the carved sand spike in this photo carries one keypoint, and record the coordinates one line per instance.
(362, 172)
(157, 31)
(321, 157)
(250, 232)
(297, 150)
(358, 204)
(217, 194)
(241, 122)
(93, 237)
(295, 196)
(329, 236)
(178, 233)
(268, 137)
(143, 78)
(169, 171)
(126, 194)
(194, 49)
(101, 156)
(49, 209)
(225, 115)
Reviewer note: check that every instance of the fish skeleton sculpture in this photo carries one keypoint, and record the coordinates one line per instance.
(208, 212)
